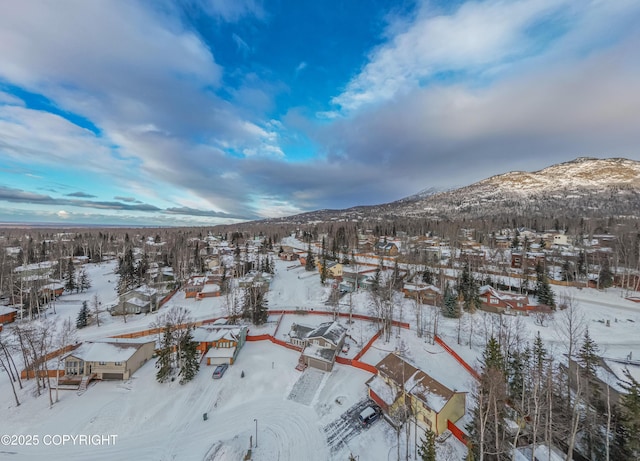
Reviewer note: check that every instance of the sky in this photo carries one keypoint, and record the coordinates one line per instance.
(186, 112)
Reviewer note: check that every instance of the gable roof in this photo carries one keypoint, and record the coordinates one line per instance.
(509, 298)
(330, 331)
(415, 382)
(106, 351)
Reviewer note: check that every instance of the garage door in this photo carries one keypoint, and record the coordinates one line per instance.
(112, 376)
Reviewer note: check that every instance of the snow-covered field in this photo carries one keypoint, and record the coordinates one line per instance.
(165, 421)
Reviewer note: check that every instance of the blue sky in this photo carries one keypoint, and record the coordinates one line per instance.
(218, 111)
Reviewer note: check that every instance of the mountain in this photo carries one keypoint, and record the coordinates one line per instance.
(584, 187)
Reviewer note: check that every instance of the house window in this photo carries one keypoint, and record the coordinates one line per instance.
(519, 304)
(102, 363)
(493, 300)
(118, 364)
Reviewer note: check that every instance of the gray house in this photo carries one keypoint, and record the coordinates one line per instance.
(320, 344)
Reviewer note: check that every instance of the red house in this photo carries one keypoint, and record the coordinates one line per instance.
(7, 314)
(499, 301)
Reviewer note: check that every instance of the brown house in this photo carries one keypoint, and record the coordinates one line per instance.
(496, 301)
(423, 292)
(7, 314)
(399, 383)
(113, 359)
(220, 343)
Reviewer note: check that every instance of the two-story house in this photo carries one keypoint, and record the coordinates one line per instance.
(399, 383)
(220, 343)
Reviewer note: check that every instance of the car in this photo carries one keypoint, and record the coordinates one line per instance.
(369, 415)
(219, 371)
(345, 348)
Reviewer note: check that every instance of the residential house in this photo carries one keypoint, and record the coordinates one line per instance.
(141, 300)
(111, 359)
(334, 269)
(321, 344)
(496, 301)
(194, 286)
(386, 248)
(610, 373)
(7, 314)
(423, 292)
(220, 343)
(399, 383)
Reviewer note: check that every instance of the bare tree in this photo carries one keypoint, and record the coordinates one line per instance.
(96, 308)
(570, 325)
(65, 337)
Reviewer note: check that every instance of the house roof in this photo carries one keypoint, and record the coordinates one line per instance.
(300, 331)
(330, 331)
(508, 298)
(415, 382)
(216, 333)
(106, 351)
(220, 352)
(382, 389)
(320, 353)
(4, 310)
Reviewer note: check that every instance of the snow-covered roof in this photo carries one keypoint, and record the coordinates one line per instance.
(146, 290)
(331, 331)
(321, 353)
(416, 382)
(221, 352)
(4, 310)
(137, 302)
(382, 389)
(211, 334)
(106, 351)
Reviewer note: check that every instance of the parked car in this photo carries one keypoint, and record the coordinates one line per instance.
(219, 371)
(369, 415)
(345, 348)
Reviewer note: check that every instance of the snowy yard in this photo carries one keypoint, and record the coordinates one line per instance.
(297, 417)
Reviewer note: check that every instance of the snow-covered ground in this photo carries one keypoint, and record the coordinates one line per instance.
(165, 421)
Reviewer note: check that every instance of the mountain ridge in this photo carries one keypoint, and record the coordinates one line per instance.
(583, 187)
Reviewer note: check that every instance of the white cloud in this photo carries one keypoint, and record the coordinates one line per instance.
(476, 35)
(9, 99)
(63, 214)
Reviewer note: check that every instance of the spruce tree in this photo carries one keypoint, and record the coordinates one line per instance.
(450, 303)
(83, 316)
(84, 283)
(70, 277)
(189, 359)
(163, 364)
(605, 277)
(427, 449)
(543, 290)
(628, 443)
(310, 263)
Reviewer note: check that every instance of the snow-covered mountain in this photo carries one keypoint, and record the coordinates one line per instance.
(584, 187)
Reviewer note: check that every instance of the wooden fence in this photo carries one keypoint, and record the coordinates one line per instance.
(459, 359)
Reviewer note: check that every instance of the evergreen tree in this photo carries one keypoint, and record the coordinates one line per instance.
(543, 289)
(189, 359)
(592, 416)
(450, 303)
(70, 277)
(84, 283)
(605, 277)
(427, 449)
(486, 429)
(83, 316)
(468, 288)
(163, 363)
(126, 272)
(628, 443)
(427, 276)
(310, 263)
